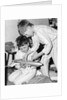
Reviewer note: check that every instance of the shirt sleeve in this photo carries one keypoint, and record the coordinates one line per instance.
(35, 44)
(45, 39)
(17, 56)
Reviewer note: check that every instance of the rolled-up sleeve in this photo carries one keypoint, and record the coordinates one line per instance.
(35, 44)
(45, 39)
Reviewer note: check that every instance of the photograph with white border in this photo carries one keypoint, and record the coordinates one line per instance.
(41, 63)
(17, 24)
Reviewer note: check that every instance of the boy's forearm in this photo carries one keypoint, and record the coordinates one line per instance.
(37, 55)
(47, 49)
(31, 63)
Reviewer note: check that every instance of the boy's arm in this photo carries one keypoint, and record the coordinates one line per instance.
(35, 45)
(37, 55)
(45, 39)
(47, 48)
(12, 64)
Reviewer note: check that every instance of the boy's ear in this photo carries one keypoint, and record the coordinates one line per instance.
(19, 32)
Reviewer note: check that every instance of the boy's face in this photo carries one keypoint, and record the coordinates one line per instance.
(26, 31)
(22, 30)
(24, 48)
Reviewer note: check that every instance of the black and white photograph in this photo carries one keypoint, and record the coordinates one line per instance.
(31, 51)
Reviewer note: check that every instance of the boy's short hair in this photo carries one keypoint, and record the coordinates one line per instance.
(22, 40)
(23, 23)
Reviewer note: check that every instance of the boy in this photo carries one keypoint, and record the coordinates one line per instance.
(26, 72)
(44, 35)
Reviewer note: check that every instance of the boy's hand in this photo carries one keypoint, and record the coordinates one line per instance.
(25, 57)
(22, 65)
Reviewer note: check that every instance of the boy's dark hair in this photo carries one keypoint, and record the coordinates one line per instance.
(23, 23)
(22, 40)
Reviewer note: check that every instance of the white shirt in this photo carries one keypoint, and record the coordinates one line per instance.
(19, 55)
(45, 35)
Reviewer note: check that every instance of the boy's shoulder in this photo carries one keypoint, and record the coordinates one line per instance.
(44, 27)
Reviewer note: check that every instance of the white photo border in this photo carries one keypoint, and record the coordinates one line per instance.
(30, 12)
